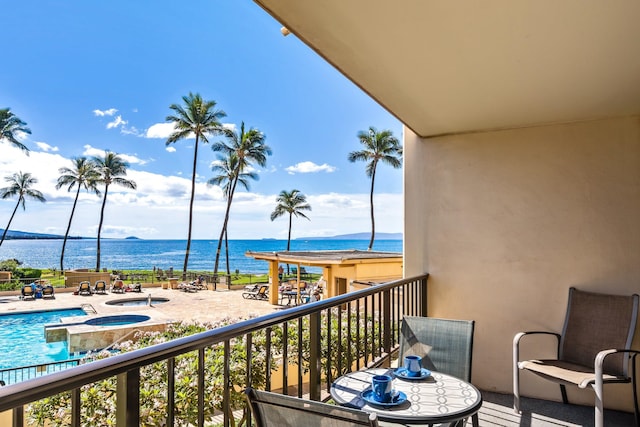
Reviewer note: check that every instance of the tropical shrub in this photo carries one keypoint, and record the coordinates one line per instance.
(98, 400)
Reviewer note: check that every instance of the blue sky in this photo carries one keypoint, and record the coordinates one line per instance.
(88, 76)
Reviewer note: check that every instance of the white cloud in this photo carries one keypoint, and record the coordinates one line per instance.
(309, 167)
(160, 130)
(171, 149)
(159, 208)
(21, 136)
(102, 113)
(90, 151)
(116, 122)
(163, 130)
(46, 147)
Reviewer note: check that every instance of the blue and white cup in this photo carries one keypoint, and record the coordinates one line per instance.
(413, 365)
(382, 386)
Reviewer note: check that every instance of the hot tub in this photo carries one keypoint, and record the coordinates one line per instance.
(125, 319)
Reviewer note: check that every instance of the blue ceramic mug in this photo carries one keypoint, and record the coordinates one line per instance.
(382, 386)
(413, 365)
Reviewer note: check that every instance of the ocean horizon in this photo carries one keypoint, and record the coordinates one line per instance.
(137, 254)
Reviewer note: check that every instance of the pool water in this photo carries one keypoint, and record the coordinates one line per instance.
(125, 319)
(23, 342)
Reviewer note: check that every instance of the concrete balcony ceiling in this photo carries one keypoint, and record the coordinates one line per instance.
(444, 67)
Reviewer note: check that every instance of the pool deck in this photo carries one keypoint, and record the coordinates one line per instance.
(201, 306)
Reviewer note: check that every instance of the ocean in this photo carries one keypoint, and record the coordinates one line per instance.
(133, 254)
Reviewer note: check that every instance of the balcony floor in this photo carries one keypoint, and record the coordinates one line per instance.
(497, 410)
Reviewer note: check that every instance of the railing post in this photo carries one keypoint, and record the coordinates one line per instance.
(386, 323)
(75, 407)
(315, 362)
(18, 416)
(171, 386)
(128, 399)
(423, 296)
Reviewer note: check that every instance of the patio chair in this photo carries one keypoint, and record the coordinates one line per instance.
(48, 292)
(117, 287)
(84, 288)
(28, 292)
(596, 326)
(100, 287)
(260, 293)
(272, 409)
(445, 345)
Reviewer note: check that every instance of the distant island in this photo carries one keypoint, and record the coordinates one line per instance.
(357, 236)
(23, 235)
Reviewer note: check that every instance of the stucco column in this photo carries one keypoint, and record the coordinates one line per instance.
(274, 281)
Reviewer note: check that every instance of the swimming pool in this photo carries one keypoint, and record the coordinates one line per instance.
(23, 341)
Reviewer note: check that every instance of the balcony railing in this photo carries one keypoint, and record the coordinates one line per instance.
(323, 340)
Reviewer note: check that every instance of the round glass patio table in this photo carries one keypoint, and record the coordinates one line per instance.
(439, 398)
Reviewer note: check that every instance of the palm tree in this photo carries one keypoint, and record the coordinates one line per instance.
(248, 147)
(226, 169)
(197, 118)
(379, 147)
(292, 202)
(10, 125)
(20, 185)
(111, 169)
(83, 175)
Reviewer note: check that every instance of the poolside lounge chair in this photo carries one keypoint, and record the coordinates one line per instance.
(188, 287)
(273, 409)
(84, 288)
(596, 326)
(28, 292)
(117, 287)
(100, 287)
(48, 292)
(261, 293)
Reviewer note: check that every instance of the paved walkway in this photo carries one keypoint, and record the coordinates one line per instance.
(202, 306)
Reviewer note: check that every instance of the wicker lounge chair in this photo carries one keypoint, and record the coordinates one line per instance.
(261, 292)
(445, 345)
(272, 409)
(100, 287)
(117, 287)
(84, 288)
(28, 292)
(596, 326)
(48, 292)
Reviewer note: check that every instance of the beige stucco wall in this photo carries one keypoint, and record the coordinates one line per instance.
(505, 222)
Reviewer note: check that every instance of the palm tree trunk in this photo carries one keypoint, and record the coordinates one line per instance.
(193, 193)
(104, 202)
(224, 224)
(373, 222)
(10, 219)
(226, 250)
(64, 243)
(289, 238)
